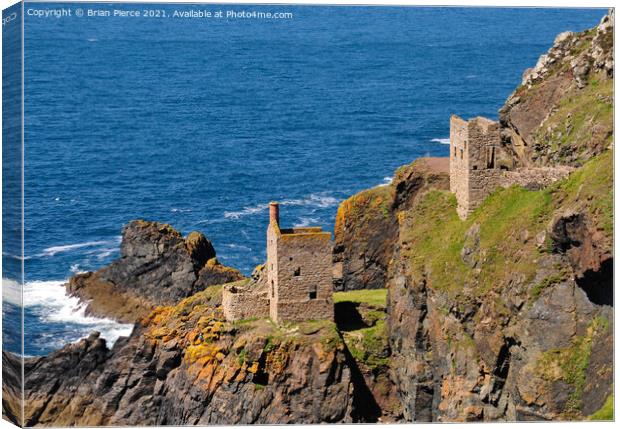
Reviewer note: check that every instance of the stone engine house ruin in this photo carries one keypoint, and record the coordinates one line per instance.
(479, 164)
(295, 285)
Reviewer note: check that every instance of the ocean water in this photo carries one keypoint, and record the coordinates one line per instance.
(200, 123)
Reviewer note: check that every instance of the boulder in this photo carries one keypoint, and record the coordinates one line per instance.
(157, 267)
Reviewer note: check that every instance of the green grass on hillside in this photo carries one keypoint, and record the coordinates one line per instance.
(376, 297)
(509, 219)
(606, 413)
(369, 345)
(583, 118)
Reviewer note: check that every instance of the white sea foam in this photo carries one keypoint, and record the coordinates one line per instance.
(176, 210)
(246, 211)
(441, 141)
(237, 246)
(75, 269)
(50, 303)
(51, 251)
(313, 200)
(105, 252)
(306, 221)
(11, 292)
(94, 247)
(386, 181)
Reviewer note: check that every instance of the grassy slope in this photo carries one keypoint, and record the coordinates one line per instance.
(606, 412)
(375, 297)
(509, 220)
(583, 118)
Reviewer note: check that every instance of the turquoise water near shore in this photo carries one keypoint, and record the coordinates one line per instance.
(200, 123)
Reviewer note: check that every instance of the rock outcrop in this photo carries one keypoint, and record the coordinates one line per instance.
(11, 388)
(185, 365)
(508, 315)
(562, 113)
(500, 325)
(157, 267)
(367, 227)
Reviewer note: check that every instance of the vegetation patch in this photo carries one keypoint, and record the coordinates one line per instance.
(364, 206)
(375, 297)
(369, 345)
(570, 364)
(433, 236)
(582, 120)
(590, 188)
(606, 412)
(544, 284)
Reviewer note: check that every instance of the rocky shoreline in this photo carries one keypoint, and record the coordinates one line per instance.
(157, 267)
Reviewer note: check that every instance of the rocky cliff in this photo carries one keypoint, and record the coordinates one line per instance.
(505, 316)
(157, 267)
(366, 228)
(508, 315)
(185, 365)
(562, 113)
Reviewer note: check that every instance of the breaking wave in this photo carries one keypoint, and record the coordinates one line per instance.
(54, 250)
(441, 141)
(314, 200)
(307, 221)
(49, 304)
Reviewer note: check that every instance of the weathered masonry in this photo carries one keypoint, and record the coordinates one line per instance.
(474, 148)
(298, 284)
(479, 164)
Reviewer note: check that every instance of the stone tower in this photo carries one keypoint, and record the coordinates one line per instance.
(474, 166)
(299, 272)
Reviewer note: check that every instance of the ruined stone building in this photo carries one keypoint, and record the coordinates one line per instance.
(296, 283)
(474, 173)
(479, 164)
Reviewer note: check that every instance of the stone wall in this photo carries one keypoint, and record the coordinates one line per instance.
(273, 235)
(297, 283)
(304, 285)
(241, 302)
(479, 164)
(481, 184)
(459, 179)
(534, 177)
(483, 144)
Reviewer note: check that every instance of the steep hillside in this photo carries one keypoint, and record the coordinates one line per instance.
(562, 113)
(367, 226)
(497, 317)
(507, 315)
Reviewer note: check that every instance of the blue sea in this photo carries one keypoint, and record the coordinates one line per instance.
(201, 122)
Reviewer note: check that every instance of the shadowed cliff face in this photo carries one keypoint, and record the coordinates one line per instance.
(366, 226)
